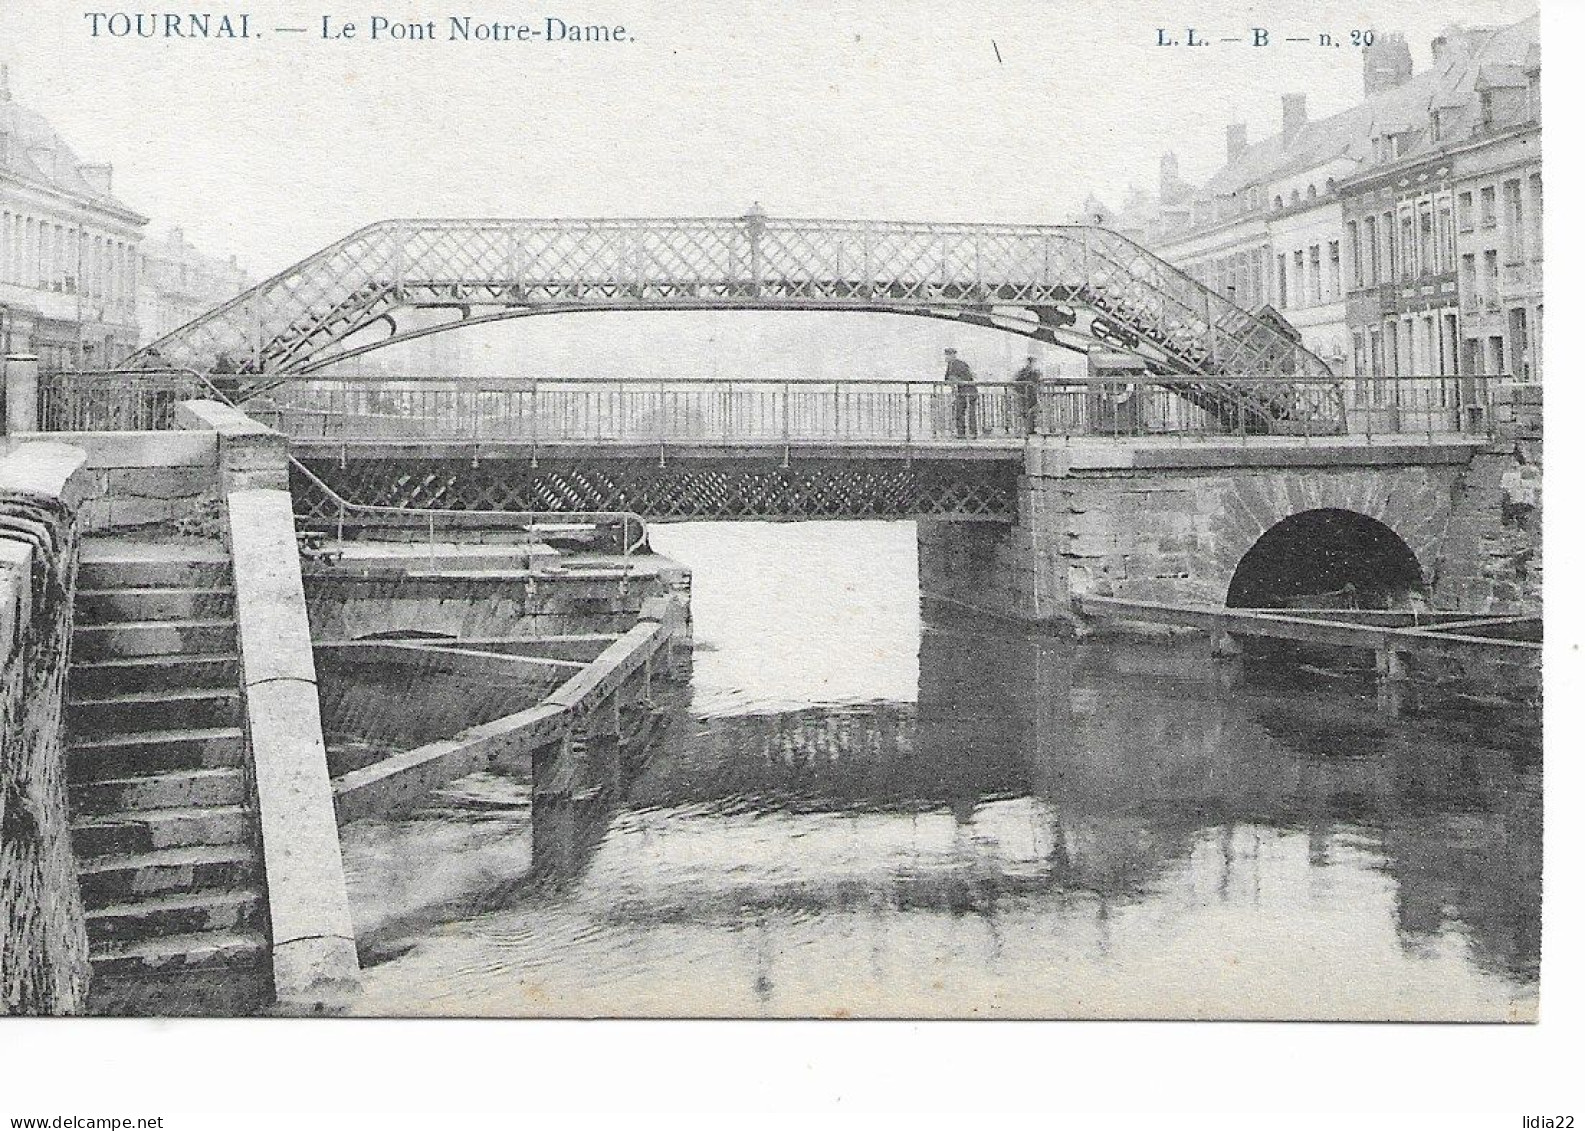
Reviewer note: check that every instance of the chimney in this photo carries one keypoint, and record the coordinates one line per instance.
(1294, 115)
(1169, 175)
(5, 82)
(1237, 141)
(1387, 62)
(98, 177)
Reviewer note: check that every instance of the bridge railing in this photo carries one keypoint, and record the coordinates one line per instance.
(905, 412)
(116, 400)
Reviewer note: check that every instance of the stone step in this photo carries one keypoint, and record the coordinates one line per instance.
(196, 789)
(145, 830)
(107, 880)
(136, 711)
(101, 606)
(153, 638)
(219, 991)
(114, 563)
(166, 915)
(94, 679)
(152, 752)
(200, 950)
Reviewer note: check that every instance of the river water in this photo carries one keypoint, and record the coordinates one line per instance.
(860, 810)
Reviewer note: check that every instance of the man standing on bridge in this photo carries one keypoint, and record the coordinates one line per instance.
(1026, 387)
(964, 395)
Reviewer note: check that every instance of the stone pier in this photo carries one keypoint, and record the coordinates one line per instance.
(1168, 521)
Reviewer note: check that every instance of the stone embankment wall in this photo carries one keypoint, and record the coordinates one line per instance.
(43, 942)
(1493, 543)
(144, 480)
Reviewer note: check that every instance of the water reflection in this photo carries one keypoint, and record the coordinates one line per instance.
(1046, 829)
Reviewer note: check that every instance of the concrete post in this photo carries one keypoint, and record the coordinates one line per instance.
(22, 393)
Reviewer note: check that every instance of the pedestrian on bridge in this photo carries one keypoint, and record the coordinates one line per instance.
(965, 414)
(1026, 387)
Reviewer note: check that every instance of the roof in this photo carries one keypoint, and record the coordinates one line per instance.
(35, 153)
(1475, 60)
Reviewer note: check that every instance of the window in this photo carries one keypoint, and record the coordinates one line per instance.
(1334, 269)
(1536, 226)
(1468, 283)
(1513, 218)
(1282, 282)
(1488, 207)
(1474, 357)
(1427, 241)
(1300, 297)
(1406, 246)
(1489, 286)
(1317, 296)
(1372, 260)
(1466, 212)
(1444, 237)
(1356, 264)
(1518, 343)
(1389, 250)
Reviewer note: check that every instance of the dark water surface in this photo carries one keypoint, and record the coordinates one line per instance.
(862, 811)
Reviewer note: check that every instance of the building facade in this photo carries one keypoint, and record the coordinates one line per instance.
(1497, 187)
(68, 249)
(1442, 228)
(178, 283)
(1399, 237)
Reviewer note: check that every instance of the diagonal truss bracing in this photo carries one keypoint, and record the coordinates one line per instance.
(1067, 285)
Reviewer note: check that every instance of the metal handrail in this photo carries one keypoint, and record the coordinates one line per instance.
(428, 516)
(499, 518)
(914, 413)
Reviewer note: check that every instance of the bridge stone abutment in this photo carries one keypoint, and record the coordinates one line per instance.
(1172, 522)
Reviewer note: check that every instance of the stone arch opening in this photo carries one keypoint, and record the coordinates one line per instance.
(1327, 558)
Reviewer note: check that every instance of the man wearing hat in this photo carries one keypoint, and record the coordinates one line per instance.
(964, 395)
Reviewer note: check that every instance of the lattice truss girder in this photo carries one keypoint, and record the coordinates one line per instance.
(677, 489)
(1052, 280)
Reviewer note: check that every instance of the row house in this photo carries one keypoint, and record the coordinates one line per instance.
(68, 249)
(1399, 237)
(178, 283)
(1441, 232)
(1497, 186)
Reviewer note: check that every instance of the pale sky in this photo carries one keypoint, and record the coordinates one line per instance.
(276, 146)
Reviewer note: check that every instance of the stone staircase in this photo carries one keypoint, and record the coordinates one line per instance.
(164, 824)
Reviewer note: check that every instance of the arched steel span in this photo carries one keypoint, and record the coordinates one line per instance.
(1073, 286)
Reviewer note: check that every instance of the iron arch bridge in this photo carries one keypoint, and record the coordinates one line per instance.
(1073, 286)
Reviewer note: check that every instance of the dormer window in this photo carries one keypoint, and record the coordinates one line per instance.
(1309, 193)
